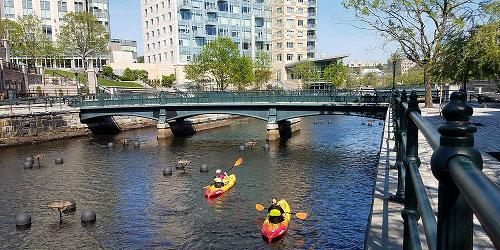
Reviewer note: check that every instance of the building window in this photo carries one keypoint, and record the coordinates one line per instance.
(300, 10)
(47, 30)
(279, 34)
(289, 33)
(300, 57)
(279, 22)
(278, 57)
(62, 8)
(9, 8)
(45, 9)
(289, 57)
(278, 45)
(79, 6)
(300, 22)
(289, 22)
(289, 9)
(289, 45)
(27, 7)
(300, 34)
(300, 45)
(279, 10)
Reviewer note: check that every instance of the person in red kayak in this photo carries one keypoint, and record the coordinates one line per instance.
(276, 213)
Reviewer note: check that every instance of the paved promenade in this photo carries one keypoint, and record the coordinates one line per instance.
(386, 225)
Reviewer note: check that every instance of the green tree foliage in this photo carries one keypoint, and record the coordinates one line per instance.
(197, 73)
(419, 26)
(83, 35)
(140, 59)
(307, 72)
(129, 75)
(6, 27)
(108, 71)
(27, 38)
(217, 59)
(242, 74)
(335, 74)
(167, 81)
(474, 53)
(263, 71)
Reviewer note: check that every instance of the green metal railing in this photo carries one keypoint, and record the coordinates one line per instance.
(456, 164)
(276, 96)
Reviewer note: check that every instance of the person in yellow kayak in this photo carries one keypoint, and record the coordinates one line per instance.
(276, 213)
(219, 179)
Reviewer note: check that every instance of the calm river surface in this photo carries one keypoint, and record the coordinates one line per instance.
(326, 169)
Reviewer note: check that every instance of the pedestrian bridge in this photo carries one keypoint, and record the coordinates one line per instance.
(278, 108)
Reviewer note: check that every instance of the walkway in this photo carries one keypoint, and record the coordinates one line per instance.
(386, 226)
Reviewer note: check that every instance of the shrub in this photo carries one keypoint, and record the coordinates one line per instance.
(167, 81)
(108, 71)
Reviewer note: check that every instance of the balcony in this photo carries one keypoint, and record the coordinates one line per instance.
(312, 3)
(311, 37)
(311, 26)
(185, 5)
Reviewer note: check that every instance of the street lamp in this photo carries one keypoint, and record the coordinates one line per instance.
(393, 74)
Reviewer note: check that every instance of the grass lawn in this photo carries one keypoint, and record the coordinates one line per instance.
(111, 83)
(102, 82)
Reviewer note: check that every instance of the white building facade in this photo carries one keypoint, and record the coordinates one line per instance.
(52, 14)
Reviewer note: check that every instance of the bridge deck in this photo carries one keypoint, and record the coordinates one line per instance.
(386, 224)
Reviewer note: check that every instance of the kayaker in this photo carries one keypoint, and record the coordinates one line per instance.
(219, 175)
(218, 182)
(276, 213)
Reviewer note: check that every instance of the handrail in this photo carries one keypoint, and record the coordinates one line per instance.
(429, 132)
(471, 182)
(430, 225)
(458, 176)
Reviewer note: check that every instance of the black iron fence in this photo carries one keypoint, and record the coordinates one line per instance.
(463, 190)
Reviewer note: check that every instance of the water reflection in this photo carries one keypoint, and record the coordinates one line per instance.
(326, 170)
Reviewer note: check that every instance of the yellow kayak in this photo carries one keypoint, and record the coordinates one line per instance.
(212, 191)
(271, 231)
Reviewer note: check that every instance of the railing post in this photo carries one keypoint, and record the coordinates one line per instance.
(401, 151)
(411, 205)
(455, 224)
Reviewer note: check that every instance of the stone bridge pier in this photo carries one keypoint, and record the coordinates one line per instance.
(189, 126)
(282, 129)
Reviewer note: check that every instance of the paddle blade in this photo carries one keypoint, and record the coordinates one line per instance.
(258, 206)
(301, 216)
(238, 162)
(205, 187)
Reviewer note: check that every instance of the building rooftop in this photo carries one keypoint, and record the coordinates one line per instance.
(320, 59)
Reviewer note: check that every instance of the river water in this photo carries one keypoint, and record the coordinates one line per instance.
(326, 170)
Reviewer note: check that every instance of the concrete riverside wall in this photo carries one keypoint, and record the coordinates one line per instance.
(192, 125)
(47, 126)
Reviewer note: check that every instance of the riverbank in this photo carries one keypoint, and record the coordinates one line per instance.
(21, 125)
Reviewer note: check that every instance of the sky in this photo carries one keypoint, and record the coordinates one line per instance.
(336, 35)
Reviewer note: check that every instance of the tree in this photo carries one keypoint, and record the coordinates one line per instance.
(197, 73)
(307, 72)
(83, 35)
(474, 53)
(108, 71)
(242, 74)
(335, 74)
(129, 75)
(167, 81)
(419, 26)
(263, 71)
(217, 58)
(140, 59)
(28, 39)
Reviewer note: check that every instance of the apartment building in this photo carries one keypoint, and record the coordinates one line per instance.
(176, 30)
(294, 33)
(52, 14)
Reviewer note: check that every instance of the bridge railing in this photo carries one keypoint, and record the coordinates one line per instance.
(274, 96)
(463, 188)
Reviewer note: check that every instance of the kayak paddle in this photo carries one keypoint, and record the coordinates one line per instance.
(236, 163)
(301, 216)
